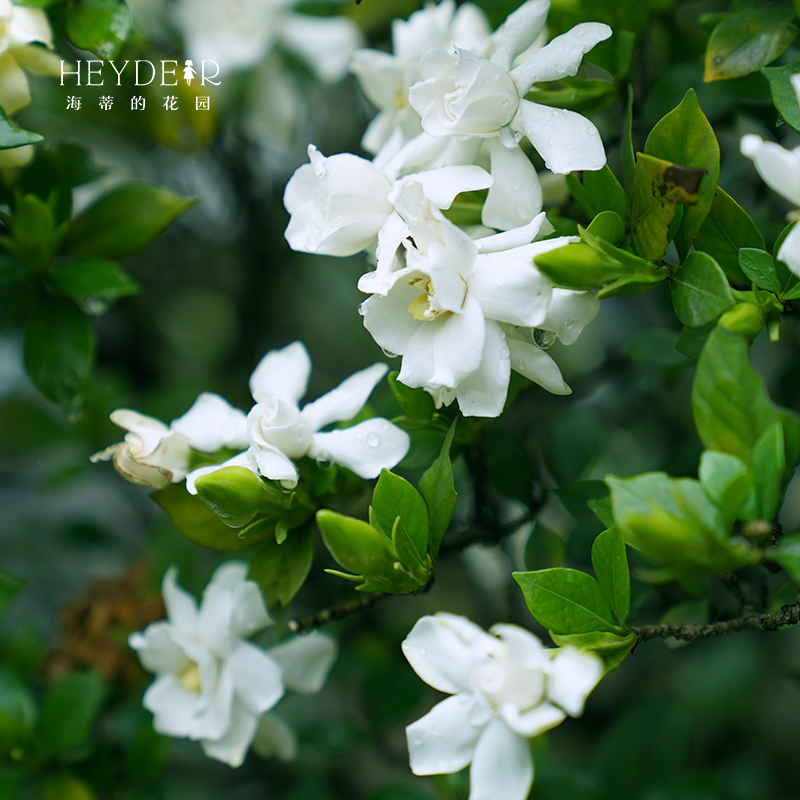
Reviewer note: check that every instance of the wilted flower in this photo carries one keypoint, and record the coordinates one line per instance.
(506, 689)
(151, 454)
(212, 685)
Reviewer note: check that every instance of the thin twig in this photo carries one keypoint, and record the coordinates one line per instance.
(309, 622)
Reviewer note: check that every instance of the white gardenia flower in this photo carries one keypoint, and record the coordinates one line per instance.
(239, 34)
(470, 102)
(462, 311)
(151, 454)
(780, 170)
(276, 431)
(385, 78)
(214, 686)
(506, 689)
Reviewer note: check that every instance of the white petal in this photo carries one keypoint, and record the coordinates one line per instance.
(215, 706)
(560, 57)
(271, 463)
(516, 237)
(14, 90)
(257, 678)
(380, 75)
(569, 313)
(180, 605)
(502, 767)
(533, 722)
(537, 366)
(518, 31)
(388, 319)
(240, 460)
(28, 25)
(483, 393)
(327, 43)
(282, 373)
(38, 60)
(790, 250)
(510, 290)
(443, 351)
(516, 195)
(274, 736)
(173, 706)
(443, 740)
(442, 185)
(306, 661)
(573, 675)
(443, 650)
(524, 649)
(390, 236)
(213, 423)
(566, 140)
(346, 400)
(365, 449)
(779, 168)
(157, 650)
(229, 586)
(231, 747)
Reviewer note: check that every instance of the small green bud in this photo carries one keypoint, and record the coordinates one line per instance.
(746, 319)
(357, 546)
(234, 494)
(579, 266)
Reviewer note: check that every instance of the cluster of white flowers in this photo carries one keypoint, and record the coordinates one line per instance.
(270, 437)
(780, 169)
(462, 306)
(506, 689)
(214, 686)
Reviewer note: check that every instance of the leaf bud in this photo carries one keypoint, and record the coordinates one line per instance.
(234, 494)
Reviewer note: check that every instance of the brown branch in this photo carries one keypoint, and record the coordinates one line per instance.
(788, 615)
(309, 622)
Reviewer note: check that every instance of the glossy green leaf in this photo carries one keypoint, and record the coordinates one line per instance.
(611, 647)
(628, 150)
(748, 40)
(59, 351)
(199, 524)
(34, 234)
(281, 569)
(99, 26)
(759, 267)
(726, 229)
(608, 225)
(417, 404)
(700, 291)
(124, 220)
(234, 494)
(565, 600)
(659, 186)
(436, 486)
(600, 191)
(395, 497)
(685, 137)
(769, 468)
(93, 281)
(11, 136)
(692, 340)
(610, 564)
(787, 554)
(727, 481)
(69, 710)
(730, 404)
(783, 94)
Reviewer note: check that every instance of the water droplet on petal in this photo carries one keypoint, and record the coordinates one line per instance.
(543, 339)
(388, 353)
(373, 440)
(551, 140)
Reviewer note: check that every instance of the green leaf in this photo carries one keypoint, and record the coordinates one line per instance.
(417, 404)
(395, 497)
(685, 137)
(124, 220)
(674, 521)
(628, 151)
(608, 225)
(659, 186)
(783, 94)
(9, 588)
(281, 569)
(692, 340)
(93, 281)
(700, 291)
(436, 486)
(769, 468)
(565, 600)
(611, 647)
(237, 494)
(34, 235)
(198, 523)
(610, 563)
(69, 709)
(600, 191)
(59, 351)
(728, 228)
(744, 42)
(759, 267)
(727, 481)
(730, 404)
(787, 554)
(11, 136)
(99, 26)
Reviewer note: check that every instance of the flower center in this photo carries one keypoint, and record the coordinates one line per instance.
(421, 307)
(190, 677)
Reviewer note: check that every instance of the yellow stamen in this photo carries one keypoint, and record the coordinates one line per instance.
(190, 677)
